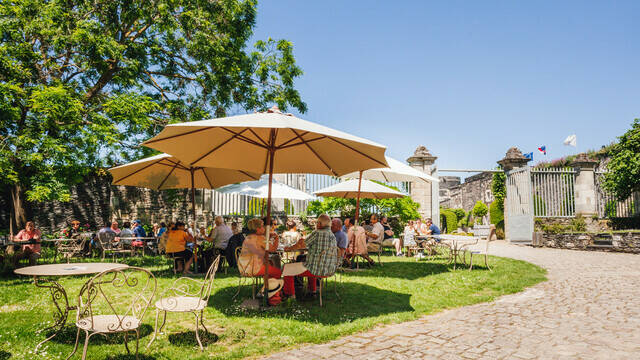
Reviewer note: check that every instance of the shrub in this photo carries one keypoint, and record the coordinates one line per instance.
(496, 214)
(449, 220)
(500, 233)
(480, 210)
(460, 213)
(610, 209)
(578, 224)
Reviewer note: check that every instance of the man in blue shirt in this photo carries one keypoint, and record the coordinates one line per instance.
(432, 229)
(341, 237)
(138, 230)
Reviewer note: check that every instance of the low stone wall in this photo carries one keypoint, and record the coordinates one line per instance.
(622, 242)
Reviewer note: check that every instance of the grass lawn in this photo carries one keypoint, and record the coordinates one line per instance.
(401, 290)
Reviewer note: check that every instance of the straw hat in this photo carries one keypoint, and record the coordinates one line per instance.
(275, 285)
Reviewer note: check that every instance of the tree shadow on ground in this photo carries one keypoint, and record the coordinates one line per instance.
(354, 301)
(188, 338)
(68, 336)
(4, 355)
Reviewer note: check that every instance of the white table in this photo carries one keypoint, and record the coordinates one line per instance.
(457, 243)
(42, 275)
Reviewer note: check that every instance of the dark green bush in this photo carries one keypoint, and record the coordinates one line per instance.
(449, 220)
(480, 210)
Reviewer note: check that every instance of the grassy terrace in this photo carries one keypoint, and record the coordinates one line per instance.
(401, 290)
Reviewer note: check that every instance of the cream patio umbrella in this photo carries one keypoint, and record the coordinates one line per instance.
(267, 143)
(367, 189)
(260, 189)
(397, 171)
(164, 171)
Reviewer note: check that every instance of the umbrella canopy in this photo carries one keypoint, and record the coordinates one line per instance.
(368, 189)
(260, 189)
(397, 171)
(267, 143)
(166, 172)
(247, 142)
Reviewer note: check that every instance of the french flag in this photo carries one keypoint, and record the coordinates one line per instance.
(543, 149)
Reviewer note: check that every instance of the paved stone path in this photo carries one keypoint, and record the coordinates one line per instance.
(589, 309)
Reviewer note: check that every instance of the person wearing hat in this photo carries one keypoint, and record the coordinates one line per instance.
(138, 230)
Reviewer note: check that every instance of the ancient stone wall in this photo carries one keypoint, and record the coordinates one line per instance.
(475, 188)
(622, 242)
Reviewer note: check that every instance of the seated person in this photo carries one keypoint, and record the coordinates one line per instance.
(291, 236)
(432, 229)
(75, 232)
(321, 260)
(389, 240)
(341, 237)
(235, 242)
(176, 246)
(139, 233)
(28, 251)
(251, 260)
(115, 228)
(273, 235)
(374, 236)
(220, 234)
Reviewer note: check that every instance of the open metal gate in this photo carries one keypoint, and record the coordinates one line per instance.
(519, 206)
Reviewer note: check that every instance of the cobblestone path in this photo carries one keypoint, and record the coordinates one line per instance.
(589, 309)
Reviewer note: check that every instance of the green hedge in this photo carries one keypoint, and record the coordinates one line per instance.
(625, 223)
(449, 218)
(495, 213)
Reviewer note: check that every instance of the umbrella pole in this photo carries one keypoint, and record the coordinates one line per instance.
(268, 225)
(358, 199)
(193, 208)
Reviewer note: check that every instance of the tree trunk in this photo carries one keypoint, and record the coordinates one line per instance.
(19, 210)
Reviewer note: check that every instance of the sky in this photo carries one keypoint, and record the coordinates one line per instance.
(467, 79)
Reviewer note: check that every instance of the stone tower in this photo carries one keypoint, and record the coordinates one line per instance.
(422, 192)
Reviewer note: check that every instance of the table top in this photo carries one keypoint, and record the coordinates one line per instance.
(68, 269)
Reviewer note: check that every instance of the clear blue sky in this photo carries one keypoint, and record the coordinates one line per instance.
(467, 79)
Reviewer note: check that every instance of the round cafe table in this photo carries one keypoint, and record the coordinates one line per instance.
(43, 278)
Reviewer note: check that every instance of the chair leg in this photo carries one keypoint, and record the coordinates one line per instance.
(155, 332)
(86, 345)
(137, 342)
(75, 347)
(202, 321)
(126, 342)
(164, 320)
(320, 290)
(470, 261)
(198, 335)
(486, 262)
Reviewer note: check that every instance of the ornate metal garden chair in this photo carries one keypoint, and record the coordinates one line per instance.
(481, 248)
(72, 248)
(107, 243)
(187, 295)
(114, 301)
(245, 269)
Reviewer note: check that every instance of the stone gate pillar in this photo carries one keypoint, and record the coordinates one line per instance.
(516, 226)
(585, 185)
(425, 194)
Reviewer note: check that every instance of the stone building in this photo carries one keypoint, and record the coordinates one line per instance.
(422, 192)
(454, 194)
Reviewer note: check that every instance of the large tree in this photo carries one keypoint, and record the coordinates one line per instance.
(83, 82)
(623, 176)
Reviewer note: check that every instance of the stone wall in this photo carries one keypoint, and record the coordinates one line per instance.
(621, 242)
(95, 201)
(475, 188)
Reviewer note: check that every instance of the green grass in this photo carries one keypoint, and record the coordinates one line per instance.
(401, 290)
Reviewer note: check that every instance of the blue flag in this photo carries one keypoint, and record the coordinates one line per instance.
(529, 156)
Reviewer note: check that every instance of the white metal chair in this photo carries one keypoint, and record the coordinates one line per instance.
(114, 301)
(242, 271)
(187, 295)
(107, 243)
(482, 248)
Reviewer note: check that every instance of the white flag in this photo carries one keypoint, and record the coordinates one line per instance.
(570, 140)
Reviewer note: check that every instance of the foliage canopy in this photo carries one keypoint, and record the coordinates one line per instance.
(623, 177)
(83, 81)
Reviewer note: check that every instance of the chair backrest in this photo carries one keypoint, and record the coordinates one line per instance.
(207, 286)
(247, 269)
(106, 239)
(124, 293)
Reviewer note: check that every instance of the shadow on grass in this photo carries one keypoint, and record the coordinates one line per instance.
(355, 301)
(4, 355)
(188, 338)
(68, 336)
(409, 270)
(131, 356)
